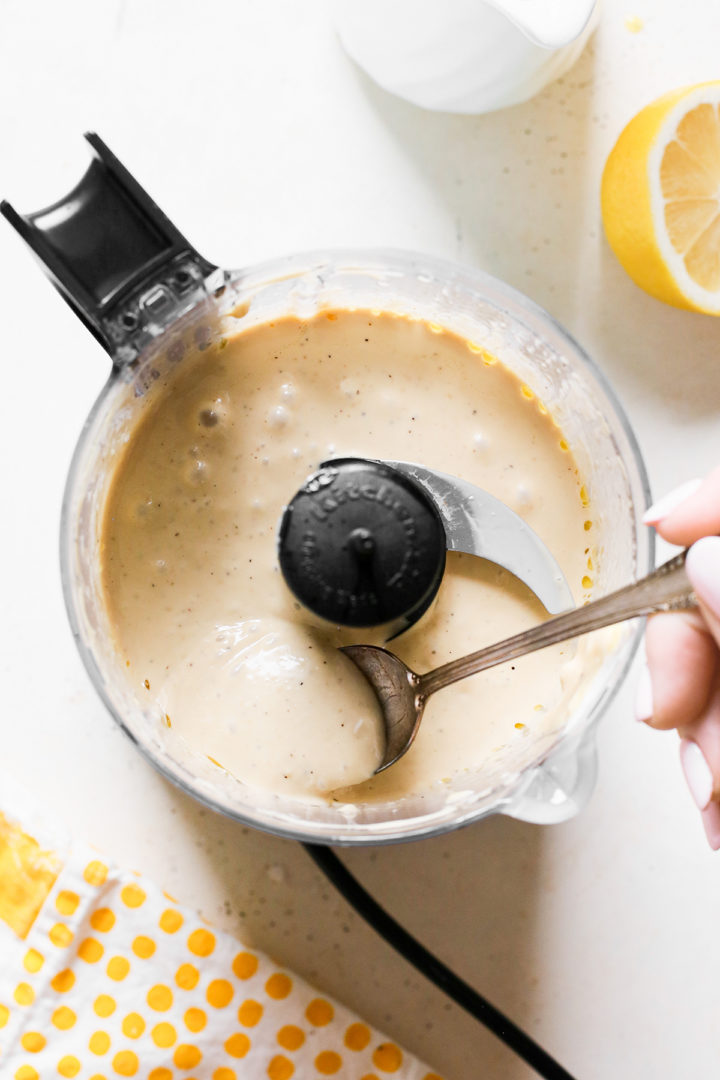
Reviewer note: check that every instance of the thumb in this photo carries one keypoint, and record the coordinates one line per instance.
(703, 569)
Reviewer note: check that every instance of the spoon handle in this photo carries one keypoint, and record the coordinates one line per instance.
(667, 589)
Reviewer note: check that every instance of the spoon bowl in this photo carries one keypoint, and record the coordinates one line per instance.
(397, 688)
(402, 694)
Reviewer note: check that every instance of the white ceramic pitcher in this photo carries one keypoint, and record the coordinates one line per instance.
(465, 56)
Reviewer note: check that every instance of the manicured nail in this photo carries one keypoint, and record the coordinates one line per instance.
(643, 695)
(697, 772)
(669, 502)
(711, 821)
(703, 567)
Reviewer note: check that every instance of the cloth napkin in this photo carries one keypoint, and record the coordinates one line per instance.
(103, 975)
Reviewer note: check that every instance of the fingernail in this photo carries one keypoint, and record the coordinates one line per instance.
(643, 695)
(703, 567)
(711, 821)
(669, 502)
(697, 772)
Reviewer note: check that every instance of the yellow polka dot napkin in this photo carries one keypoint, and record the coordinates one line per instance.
(102, 975)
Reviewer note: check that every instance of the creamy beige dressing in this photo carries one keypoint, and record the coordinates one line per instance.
(210, 632)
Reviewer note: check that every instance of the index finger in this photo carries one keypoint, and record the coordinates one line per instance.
(698, 515)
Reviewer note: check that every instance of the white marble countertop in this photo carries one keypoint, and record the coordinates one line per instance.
(258, 137)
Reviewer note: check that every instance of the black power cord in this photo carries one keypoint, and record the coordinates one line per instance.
(432, 968)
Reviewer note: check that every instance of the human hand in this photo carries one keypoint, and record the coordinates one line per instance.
(681, 686)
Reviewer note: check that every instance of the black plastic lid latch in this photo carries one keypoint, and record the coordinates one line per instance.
(121, 265)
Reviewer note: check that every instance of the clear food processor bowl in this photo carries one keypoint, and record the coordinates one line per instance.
(542, 779)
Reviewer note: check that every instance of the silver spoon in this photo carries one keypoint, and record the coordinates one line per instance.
(403, 693)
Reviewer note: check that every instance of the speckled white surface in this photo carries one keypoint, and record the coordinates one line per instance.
(258, 137)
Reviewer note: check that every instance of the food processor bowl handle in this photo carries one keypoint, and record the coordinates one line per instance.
(121, 265)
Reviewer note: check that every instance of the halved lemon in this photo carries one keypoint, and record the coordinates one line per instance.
(661, 198)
